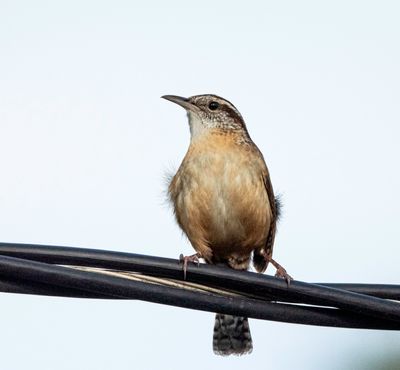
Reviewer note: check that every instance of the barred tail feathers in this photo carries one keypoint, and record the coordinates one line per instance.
(231, 335)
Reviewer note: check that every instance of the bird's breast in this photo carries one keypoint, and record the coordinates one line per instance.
(219, 191)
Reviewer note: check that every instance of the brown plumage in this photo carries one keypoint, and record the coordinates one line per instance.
(224, 201)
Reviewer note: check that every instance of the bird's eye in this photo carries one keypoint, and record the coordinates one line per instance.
(213, 105)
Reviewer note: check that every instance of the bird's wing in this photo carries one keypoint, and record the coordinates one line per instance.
(259, 261)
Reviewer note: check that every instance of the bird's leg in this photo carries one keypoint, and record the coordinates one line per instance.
(280, 270)
(185, 259)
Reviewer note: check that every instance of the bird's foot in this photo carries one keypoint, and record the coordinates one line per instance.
(185, 259)
(280, 270)
(282, 273)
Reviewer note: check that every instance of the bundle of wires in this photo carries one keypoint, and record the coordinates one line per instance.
(90, 273)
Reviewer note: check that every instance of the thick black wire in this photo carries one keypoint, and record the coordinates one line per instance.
(157, 266)
(387, 291)
(154, 265)
(121, 288)
(15, 285)
(258, 285)
(266, 289)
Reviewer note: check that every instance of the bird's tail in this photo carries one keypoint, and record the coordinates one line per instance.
(231, 335)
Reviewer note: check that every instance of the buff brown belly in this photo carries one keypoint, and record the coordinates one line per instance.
(224, 211)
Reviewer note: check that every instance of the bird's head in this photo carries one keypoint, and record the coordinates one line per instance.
(210, 112)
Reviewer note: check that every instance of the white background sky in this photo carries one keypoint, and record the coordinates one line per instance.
(86, 141)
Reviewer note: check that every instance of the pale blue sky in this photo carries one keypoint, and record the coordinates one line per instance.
(86, 140)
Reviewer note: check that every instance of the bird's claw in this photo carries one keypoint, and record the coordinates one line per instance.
(282, 273)
(185, 259)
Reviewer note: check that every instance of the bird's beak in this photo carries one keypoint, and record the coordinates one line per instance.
(183, 102)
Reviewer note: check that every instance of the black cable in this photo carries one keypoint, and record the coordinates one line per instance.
(387, 291)
(8, 285)
(258, 285)
(97, 283)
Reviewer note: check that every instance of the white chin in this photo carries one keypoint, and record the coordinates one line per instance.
(197, 127)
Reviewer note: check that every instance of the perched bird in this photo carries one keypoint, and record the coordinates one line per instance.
(224, 202)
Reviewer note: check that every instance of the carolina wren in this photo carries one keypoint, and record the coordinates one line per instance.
(224, 202)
